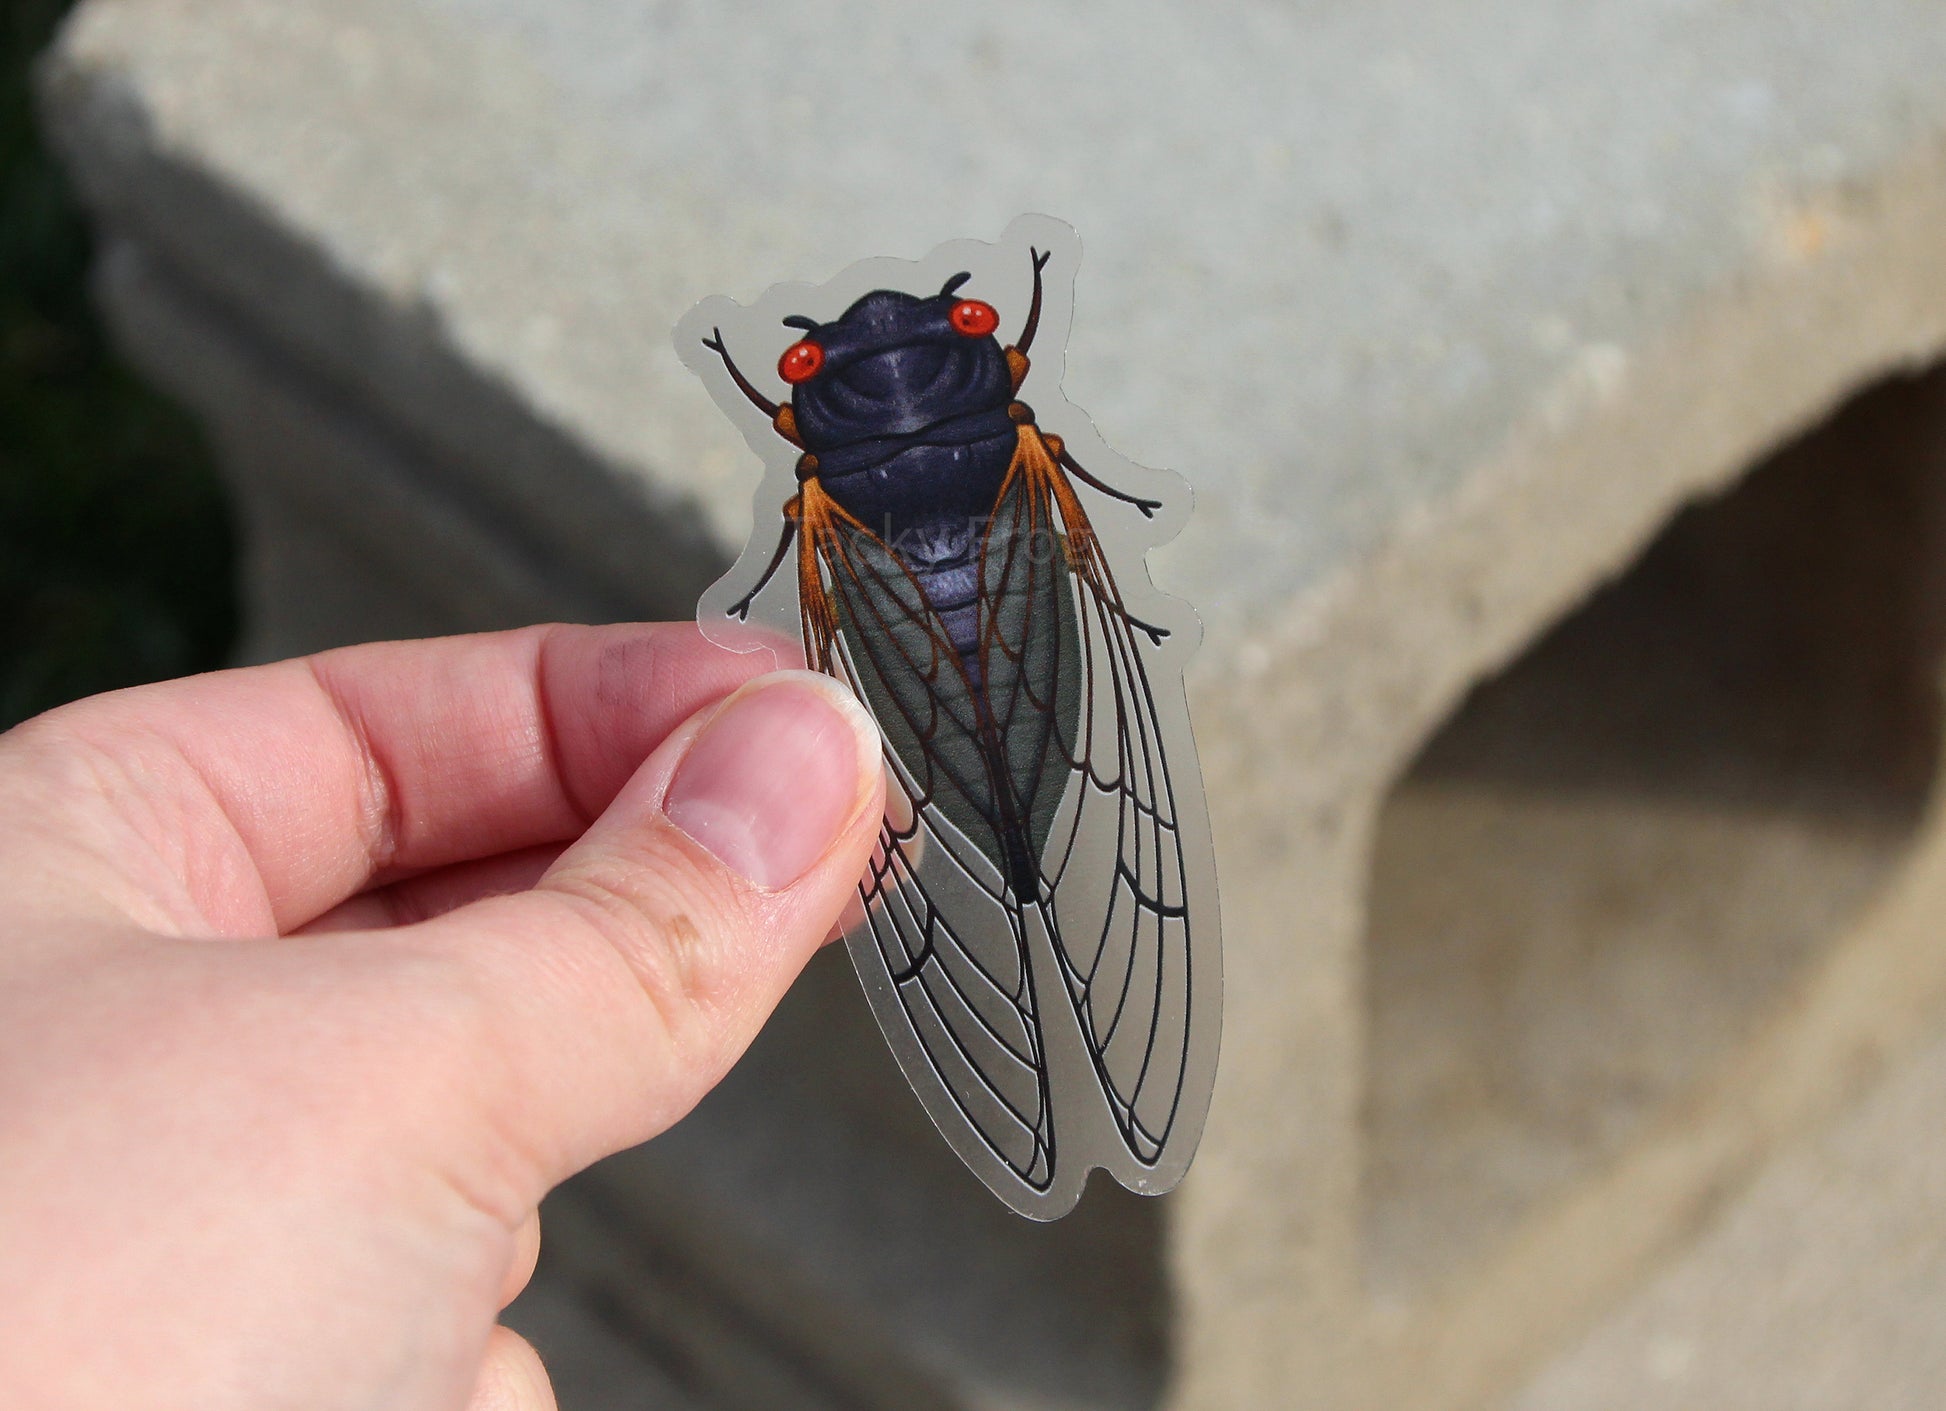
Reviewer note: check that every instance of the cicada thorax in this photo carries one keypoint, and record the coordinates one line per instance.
(931, 504)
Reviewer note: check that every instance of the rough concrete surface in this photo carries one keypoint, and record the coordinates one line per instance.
(1622, 851)
(1444, 311)
(1823, 1287)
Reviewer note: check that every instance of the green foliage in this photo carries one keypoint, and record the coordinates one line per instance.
(115, 543)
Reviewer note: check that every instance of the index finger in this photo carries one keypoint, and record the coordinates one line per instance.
(266, 795)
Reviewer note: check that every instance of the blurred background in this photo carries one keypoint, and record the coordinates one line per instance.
(1562, 391)
(116, 553)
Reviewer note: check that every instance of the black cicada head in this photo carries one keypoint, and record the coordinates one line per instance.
(893, 364)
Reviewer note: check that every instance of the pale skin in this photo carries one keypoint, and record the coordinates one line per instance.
(316, 977)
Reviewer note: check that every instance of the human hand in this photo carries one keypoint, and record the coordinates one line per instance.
(536, 891)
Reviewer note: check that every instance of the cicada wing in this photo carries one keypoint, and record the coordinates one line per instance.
(959, 1012)
(1030, 663)
(1131, 914)
(941, 947)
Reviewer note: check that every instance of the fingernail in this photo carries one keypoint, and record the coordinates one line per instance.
(774, 776)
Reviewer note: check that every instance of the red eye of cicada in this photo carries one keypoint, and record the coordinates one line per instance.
(973, 318)
(800, 362)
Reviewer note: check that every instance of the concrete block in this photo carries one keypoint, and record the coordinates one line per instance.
(1445, 315)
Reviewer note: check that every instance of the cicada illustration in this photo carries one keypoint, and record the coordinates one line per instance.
(1038, 933)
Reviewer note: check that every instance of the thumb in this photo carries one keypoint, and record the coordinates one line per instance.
(623, 986)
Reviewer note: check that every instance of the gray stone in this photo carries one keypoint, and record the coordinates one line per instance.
(1443, 311)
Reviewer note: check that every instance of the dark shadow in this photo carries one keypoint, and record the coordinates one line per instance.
(806, 1238)
(116, 547)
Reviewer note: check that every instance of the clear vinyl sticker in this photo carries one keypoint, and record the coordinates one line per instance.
(948, 535)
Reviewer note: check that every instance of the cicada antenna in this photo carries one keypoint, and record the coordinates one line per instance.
(1026, 339)
(757, 399)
